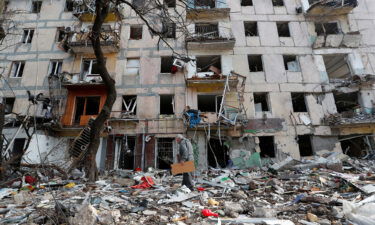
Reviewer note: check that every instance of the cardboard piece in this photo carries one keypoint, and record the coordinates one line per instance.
(178, 168)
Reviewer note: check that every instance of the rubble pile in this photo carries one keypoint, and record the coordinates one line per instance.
(330, 189)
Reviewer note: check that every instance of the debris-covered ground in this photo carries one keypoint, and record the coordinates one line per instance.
(331, 190)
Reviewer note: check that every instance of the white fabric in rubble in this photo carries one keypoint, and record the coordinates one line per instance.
(361, 213)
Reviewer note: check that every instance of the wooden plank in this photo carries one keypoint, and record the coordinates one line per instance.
(186, 167)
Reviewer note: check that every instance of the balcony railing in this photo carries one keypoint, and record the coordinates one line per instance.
(85, 11)
(209, 37)
(328, 8)
(79, 79)
(80, 43)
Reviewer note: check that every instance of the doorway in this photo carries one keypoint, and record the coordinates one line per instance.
(217, 151)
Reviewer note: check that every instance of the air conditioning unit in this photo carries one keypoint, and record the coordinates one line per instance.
(178, 63)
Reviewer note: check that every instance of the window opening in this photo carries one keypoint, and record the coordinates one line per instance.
(346, 103)
(209, 103)
(291, 63)
(267, 146)
(251, 29)
(132, 66)
(217, 152)
(327, 28)
(166, 104)
(298, 101)
(36, 6)
(261, 102)
(205, 63)
(246, 2)
(86, 106)
(135, 32)
(171, 3)
(55, 67)
(129, 104)
(283, 29)
(69, 6)
(27, 36)
(304, 144)
(166, 64)
(9, 104)
(169, 30)
(127, 153)
(255, 63)
(17, 69)
(277, 2)
(337, 66)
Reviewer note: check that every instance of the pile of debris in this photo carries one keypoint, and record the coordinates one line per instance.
(329, 189)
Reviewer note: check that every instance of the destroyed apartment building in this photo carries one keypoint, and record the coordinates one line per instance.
(278, 77)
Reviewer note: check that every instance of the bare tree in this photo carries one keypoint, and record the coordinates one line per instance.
(156, 16)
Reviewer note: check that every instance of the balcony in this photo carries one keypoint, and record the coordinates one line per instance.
(80, 43)
(80, 79)
(348, 40)
(85, 12)
(207, 9)
(209, 37)
(328, 8)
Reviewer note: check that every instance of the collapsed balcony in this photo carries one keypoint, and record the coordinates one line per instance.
(85, 11)
(207, 9)
(210, 37)
(330, 36)
(80, 43)
(327, 8)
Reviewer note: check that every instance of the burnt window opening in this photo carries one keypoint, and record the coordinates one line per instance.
(86, 106)
(165, 153)
(208, 63)
(267, 146)
(283, 29)
(60, 34)
(133, 66)
(169, 30)
(129, 104)
(55, 67)
(209, 103)
(166, 104)
(261, 102)
(204, 4)
(255, 63)
(291, 63)
(166, 64)
(304, 145)
(278, 2)
(337, 66)
(246, 2)
(69, 6)
(327, 28)
(170, 3)
(207, 30)
(8, 105)
(346, 103)
(136, 32)
(27, 36)
(17, 68)
(298, 101)
(18, 150)
(219, 152)
(127, 153)
(356, 146)
(251, 28)
(36, 6)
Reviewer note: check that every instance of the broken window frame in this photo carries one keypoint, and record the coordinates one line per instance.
(215, 61)
(27, 36)
(283, 33)
(136, 32)
(84, 112)
(133, 64)
(69, 6)
(60, 34)
(18, 68)
(249, 32)
(327, 59)
(129, 107)
(55, 67)
(218, 100)
(298, 108)
(278, 3)
(258, 58)
(247, 3)
(169, 30)
(8, 104)
(172, 103)
(267, 105)
(285, 60)
(84, 73)
(320, 28)
(36, 6)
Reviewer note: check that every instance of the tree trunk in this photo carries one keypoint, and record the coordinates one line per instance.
(2, 118)
(102, 9)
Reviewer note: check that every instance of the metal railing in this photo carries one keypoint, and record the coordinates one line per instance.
(209, 32)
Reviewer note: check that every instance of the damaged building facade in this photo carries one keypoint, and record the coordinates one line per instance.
(267, 76)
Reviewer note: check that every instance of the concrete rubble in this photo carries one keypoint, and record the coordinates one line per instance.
(283, 193)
